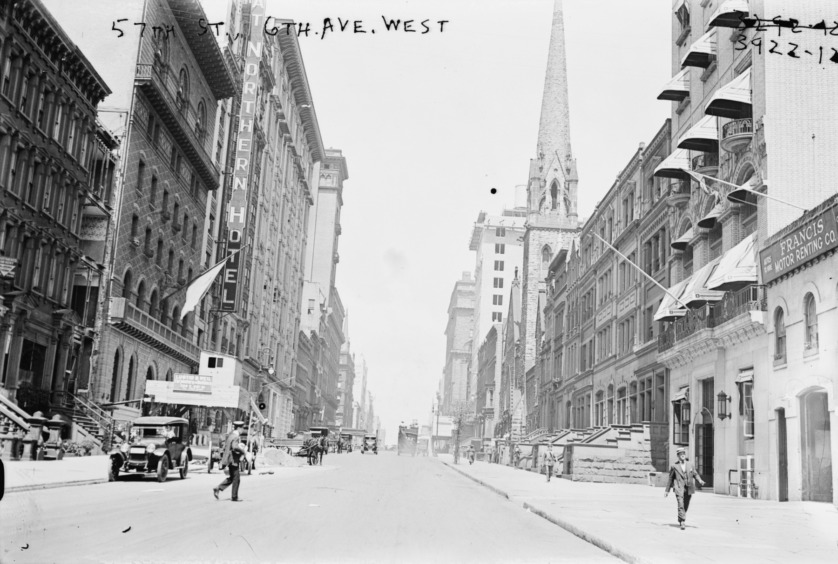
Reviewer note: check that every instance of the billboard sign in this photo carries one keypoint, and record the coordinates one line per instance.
(810, 239)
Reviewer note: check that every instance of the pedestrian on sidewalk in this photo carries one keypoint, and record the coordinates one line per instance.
(549, 460)
(682, 478)
(230, 458)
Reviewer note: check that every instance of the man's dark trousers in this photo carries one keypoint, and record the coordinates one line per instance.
(234, 478)
(683, 506)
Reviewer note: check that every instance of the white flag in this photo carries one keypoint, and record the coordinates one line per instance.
(199, 287)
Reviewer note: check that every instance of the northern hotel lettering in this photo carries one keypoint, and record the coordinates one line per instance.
(237, 207)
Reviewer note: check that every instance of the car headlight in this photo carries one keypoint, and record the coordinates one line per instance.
(150, 448)
(124, 447)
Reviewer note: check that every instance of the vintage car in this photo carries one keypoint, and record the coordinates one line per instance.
(156, 445)
(370, 443)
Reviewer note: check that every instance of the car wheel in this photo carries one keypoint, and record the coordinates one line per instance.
(113, 471)
(184, 469)
(162, 468)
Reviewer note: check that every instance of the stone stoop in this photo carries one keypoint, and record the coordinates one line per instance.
(624, 456)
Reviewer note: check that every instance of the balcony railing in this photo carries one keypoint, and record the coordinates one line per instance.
(737, 133)
(734, 304)
(180, 118)
(141, 325)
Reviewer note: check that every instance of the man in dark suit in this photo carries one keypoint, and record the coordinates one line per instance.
(682, 478)
(230, 458)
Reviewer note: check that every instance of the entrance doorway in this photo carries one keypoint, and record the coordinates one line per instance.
(782, 457)
(704, 446)
(817, 451)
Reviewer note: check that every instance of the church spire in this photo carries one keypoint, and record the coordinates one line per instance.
(554, 127)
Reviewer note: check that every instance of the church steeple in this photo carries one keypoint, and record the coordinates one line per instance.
(553, 171)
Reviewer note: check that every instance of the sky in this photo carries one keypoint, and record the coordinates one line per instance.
(430, 123)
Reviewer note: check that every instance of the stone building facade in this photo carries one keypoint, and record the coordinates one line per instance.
(57, 173)
(458, 335)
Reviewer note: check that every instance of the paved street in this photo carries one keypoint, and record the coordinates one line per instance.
(355, 508)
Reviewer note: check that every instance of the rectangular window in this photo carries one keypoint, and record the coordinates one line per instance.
(681, 423)
(140, 175)
(499, 248)
(746, 391)
(497, 317)
(498, 282)
(499, 265)
(500, 231)
(497, 300)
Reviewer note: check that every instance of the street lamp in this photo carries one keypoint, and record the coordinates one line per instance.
(724, 399)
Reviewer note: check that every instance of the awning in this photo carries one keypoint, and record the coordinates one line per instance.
(738, 267)
(678, 88)
(702, 52)
(681, 242)
(697, 294)
(729, 14)
(745, 376)
(670, 309)
(739, 195)
(675, 165)
(733, 100)
(709, 220)
(681, 395)
(703, 136)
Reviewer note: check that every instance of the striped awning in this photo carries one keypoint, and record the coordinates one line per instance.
(703, 136)
(675, 165)
(670, 308)
(738, 267)
(697, 293)
(683, 241)
(733, 100)
(729, 14)
(678, 88)
(702, 52)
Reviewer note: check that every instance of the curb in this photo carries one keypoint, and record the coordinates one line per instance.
(566, 525)
(49, 486)
(501, 493)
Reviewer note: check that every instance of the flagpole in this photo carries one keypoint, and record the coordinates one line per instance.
(201, 274)
(668, 293)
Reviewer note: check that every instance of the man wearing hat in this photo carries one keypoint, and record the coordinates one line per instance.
(682, 478)
(233, 451)
(549, 460)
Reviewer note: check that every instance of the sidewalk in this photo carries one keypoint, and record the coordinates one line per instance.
(637, 524)
(24, 475)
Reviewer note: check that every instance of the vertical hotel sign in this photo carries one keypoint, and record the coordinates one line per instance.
(237, 208)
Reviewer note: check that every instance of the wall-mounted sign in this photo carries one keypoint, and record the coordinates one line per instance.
(812, 238)
(197, 383)
(237, 207)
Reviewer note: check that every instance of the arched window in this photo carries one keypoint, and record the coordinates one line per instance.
(186, 324)
(621, 406)
(115, 375)
(161, 54)
(153, 303)
(810, 317)
(164, 312)
(201, 121)
(129, 389)
(546, 255)
(126, 285)
(183, 88)
(554, 195)
(175, 318)
(170, 264)
(779, 335)
(141, 295)
(149, 374)
(169, 376)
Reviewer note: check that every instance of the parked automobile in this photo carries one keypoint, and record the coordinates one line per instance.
(156, 445)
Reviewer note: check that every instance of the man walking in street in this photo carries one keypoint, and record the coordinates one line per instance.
(230, 458)
(682, 478)
(549, 460)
